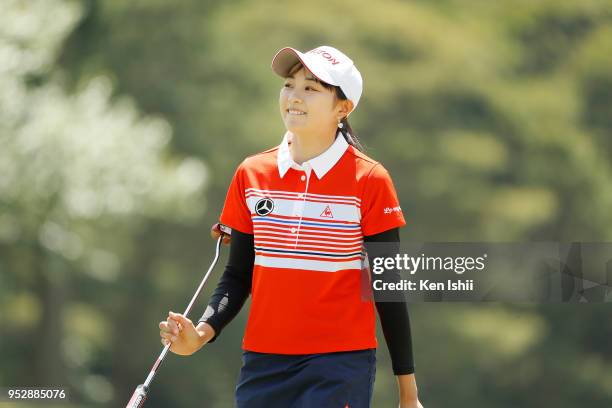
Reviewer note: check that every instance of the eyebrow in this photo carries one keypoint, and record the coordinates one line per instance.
(308, 78)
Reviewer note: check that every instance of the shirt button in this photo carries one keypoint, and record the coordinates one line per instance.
(303, 178)
(293, 230)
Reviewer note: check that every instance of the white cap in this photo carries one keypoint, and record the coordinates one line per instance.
(327, 64)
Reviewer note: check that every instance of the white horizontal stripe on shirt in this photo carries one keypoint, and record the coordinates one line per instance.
(297, 194)
(309, 209)
(291, 244)
(262, 227)
(310, 238)
(306, 264)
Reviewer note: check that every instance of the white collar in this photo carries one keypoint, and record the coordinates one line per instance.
(320, 164)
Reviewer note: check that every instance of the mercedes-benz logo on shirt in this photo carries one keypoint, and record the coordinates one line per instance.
(264, 207)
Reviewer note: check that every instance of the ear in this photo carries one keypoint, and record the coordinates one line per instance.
(344, 108)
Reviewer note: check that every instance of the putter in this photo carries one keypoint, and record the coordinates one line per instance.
(140, 394)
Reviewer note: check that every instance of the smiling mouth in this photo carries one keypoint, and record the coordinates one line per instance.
(295, 112)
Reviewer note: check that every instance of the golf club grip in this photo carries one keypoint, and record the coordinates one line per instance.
(138, 398)
(225, 229)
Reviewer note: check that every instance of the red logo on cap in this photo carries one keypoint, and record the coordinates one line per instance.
(326, 55)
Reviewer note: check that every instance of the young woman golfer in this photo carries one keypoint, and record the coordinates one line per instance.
(300, 215)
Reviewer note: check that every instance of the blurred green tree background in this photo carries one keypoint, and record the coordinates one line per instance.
(121, 123)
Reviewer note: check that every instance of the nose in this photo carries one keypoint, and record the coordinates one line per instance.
(295, 97)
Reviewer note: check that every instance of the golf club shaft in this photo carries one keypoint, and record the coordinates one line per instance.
(140, 393)
(164, 352)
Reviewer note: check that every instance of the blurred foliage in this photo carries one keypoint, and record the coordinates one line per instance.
(121, 124)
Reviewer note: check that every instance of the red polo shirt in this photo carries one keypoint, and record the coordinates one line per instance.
(308, 223)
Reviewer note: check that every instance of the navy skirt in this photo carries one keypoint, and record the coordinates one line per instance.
(334, 380)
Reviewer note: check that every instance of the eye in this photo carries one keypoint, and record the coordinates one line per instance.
(310, 88)
(287, 85)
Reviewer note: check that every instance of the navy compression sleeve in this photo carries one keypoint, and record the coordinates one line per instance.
(234, 286)
(394, 318)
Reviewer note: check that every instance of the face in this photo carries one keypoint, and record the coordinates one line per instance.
(308, 107)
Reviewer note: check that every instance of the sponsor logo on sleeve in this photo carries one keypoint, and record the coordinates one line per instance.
(391, 210)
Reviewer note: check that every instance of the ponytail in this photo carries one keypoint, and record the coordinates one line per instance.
(349, 136)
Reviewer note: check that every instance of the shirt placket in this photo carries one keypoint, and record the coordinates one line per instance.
(298, 208)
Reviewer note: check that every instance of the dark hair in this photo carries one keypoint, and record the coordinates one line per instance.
(346, 129)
